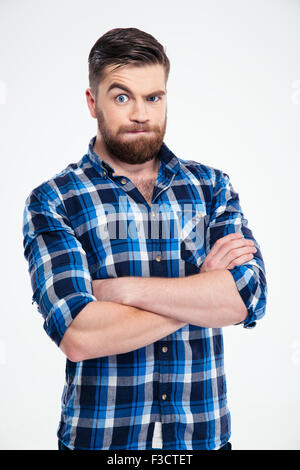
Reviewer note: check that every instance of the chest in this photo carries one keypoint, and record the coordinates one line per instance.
(123, 237)
(145, 186)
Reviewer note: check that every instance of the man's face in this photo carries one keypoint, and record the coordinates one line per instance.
(140, 106)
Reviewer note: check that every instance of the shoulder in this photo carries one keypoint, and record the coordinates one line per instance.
(205, 174)
(55, 188)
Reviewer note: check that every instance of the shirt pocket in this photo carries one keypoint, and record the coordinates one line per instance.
(193, 241)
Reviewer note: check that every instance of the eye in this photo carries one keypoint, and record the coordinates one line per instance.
(155, 97)
(122, 100)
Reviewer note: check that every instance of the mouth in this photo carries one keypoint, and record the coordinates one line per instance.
(136, 132)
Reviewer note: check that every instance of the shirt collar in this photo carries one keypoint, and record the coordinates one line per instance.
(166, 156)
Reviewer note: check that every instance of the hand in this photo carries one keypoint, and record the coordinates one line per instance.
(110, 290)
(228, 252)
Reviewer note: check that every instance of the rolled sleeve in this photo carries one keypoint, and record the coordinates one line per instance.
(250, 277)
(57, 263)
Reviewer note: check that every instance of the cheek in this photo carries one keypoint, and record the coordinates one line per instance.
(117, 117)
(112, 120)
(160, 115)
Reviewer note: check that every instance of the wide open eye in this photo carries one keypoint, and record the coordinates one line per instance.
(150, 98)
(122, 100)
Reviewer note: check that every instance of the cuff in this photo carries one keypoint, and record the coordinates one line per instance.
(64, 312)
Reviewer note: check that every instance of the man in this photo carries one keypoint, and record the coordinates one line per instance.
(137, 260)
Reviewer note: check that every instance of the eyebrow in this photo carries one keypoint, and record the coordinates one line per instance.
(123, 87)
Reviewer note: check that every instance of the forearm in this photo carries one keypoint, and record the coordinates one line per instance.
(107, 328)
(209, 299)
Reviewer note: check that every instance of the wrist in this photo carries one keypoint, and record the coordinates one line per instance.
(134, 292)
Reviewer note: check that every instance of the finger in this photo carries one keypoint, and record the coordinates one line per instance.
(227, 253)
(237, 252)
(241, 260)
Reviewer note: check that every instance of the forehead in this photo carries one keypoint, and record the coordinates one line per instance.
(150, 75)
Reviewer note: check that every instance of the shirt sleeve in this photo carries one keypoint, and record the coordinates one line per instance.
(57, 264)
(250, 277)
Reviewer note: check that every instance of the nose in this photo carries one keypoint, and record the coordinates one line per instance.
(139, 112)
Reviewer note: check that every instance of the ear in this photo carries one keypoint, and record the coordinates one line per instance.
(90, 102)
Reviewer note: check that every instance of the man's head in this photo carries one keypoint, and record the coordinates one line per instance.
(128, 72)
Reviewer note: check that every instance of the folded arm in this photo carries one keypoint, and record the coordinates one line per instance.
(106, 328)
(62, 290)
(208, 299)
(232, 292)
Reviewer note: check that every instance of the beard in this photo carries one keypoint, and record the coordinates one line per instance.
(138, 148)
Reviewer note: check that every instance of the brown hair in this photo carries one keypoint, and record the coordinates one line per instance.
(123, 46)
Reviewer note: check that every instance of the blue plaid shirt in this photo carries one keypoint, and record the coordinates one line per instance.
(176, 385)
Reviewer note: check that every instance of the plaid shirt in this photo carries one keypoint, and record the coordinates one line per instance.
(170, 394)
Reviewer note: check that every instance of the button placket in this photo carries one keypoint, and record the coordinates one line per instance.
(164, 386)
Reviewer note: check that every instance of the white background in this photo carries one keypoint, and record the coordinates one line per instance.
(234, 104)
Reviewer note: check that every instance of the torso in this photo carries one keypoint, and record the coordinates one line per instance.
(145, 186)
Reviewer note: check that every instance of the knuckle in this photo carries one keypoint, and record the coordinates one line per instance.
(218, 242)
(210, 264)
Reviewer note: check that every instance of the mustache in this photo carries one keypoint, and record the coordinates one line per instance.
(141, 127)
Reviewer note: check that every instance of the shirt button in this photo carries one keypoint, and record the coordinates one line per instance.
(198, 215)
(164, 349)
(123, 180)
(153, 214)
(158, 258)
(164, 396)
